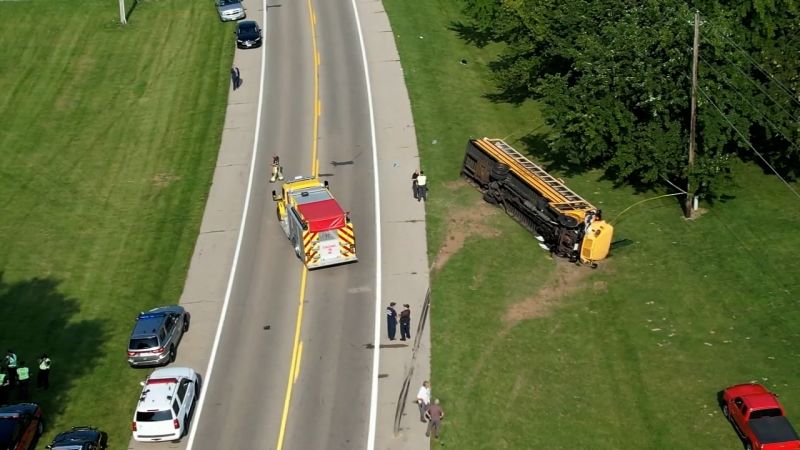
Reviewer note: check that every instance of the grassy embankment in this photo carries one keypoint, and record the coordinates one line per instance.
(108, 144)
(528, 353)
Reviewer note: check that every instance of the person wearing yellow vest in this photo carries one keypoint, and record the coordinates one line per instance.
(3, 386)
(23, 378)
(43, 376)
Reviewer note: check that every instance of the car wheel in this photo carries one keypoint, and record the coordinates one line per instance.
(40, 428)
(186, 319)
(172, 354)
(725, 412)
(748, 445)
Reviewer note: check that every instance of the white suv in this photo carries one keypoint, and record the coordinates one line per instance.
(166, 404)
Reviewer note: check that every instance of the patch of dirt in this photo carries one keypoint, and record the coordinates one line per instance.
(163, 180)
(567, 279)
(455, 184)
(461, 224)
(698, 213)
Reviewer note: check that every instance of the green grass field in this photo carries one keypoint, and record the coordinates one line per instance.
(108, 144)
(528, 353)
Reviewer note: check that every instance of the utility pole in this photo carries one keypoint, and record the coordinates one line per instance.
(693, 125)
(122, 18)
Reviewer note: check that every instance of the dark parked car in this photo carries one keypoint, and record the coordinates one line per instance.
(248, 34)
(21, 425)
(80, 438)
(156, 335)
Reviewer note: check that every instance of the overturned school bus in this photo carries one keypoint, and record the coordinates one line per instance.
(565, 224)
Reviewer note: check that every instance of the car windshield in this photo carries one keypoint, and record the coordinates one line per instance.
(68, 447)
(153, 416)
(143, 343)
(227, 2)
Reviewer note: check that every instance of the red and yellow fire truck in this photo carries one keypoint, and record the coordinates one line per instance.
(319, 229)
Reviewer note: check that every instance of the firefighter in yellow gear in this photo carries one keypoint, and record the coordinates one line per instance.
(277, 170)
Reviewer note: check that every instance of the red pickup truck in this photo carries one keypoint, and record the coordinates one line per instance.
(758, 417)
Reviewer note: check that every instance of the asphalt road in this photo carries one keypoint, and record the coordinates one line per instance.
(330, 403)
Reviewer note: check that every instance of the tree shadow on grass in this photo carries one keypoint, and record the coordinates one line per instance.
(37, 318)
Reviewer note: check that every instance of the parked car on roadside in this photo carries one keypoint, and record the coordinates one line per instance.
(156, 335)
(21, 424)
(248, 34)
(166, 405)
(80, 438)
(230, 10)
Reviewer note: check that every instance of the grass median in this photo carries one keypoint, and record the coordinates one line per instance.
(534, 353)
(110, 135)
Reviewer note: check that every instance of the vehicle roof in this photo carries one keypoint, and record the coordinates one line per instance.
(755, 395)
(246, 24)
(160, 387)
(18, 408)
(6, 432)
(148, 322)
(76, 437)
(323, 215)
(770, 430)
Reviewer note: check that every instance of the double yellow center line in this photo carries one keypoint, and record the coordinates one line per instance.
(297, 347)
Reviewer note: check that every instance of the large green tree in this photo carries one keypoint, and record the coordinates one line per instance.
(614, 79)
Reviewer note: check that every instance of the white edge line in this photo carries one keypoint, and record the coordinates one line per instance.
(229, 289)
(376, 354)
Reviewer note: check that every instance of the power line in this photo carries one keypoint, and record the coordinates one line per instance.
(759, 87)
(792, 95)
(742, 96)
(747, 141)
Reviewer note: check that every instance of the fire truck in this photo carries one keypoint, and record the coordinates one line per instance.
(563, 222)
(319, 230)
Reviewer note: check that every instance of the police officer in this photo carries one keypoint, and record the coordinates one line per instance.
(23, 379)
(11, 364)
(422, 186)
(391, 320)
(4, 386)
(405, 323)
(43, 376)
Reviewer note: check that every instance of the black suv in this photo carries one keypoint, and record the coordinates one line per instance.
(20, 426)
(80, 438)
(156, 335)
(248, 34)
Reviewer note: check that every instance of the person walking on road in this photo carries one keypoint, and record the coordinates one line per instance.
(422, 186)
(414, 187)
(43, 376)
(434, 414)
(277, 170)
(423, 399)
(23, 379)
(391, 320)
(405, 323)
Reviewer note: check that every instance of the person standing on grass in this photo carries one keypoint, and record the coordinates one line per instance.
(4, 386)
(391, 320)
(405, 323)
(23, 379)
(423, 399)
(11, 362)
(434, 414)
(43, 376)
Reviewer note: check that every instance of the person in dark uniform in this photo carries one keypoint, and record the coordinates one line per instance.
(405, 323)
(414, 187)
(4, 386)
(43, 376)
(391, 320)
(11, 362)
